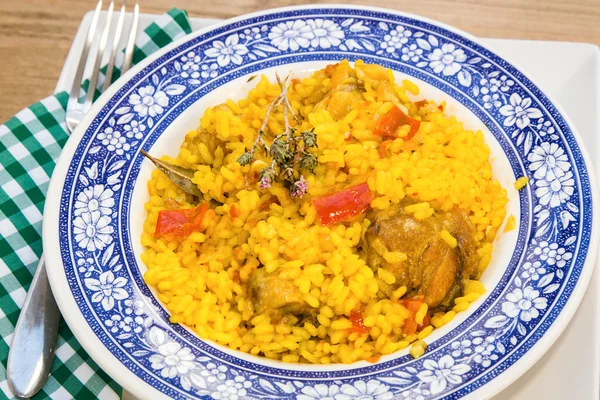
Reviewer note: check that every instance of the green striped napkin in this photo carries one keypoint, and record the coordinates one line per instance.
(30, 143)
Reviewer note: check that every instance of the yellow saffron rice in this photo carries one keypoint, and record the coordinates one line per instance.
(521, 182)
(202, 279)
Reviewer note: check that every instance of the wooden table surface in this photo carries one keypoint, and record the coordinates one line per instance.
(35, 35)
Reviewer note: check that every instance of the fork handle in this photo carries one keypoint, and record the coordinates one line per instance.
(34, 339)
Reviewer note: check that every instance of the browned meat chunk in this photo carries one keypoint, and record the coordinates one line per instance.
(279, 297)
(432, 268)
(340, 100)
(346, 87)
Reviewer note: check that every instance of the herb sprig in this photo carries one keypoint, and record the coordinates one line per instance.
(289, 149)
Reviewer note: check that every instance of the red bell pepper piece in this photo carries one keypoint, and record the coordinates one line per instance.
(413, 305)
(181, 222)
(358, 325)
(387, 125)
(383, 148)
(343, 205)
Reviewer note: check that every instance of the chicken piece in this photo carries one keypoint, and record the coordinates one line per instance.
(346, 88)
(377, 78)
(432, 268)
(344, 91)
(371, 73)
(460, 226)
(339, 73)
(279, 297)
(340, 99)
(386, 92)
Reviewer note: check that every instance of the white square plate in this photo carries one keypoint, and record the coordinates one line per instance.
(564, 71)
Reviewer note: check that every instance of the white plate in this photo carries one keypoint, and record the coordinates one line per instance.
(464, 373)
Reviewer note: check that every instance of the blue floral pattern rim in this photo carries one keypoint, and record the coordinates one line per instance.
(553, 239)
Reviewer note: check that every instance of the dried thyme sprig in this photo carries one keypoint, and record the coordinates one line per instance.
(289, 149)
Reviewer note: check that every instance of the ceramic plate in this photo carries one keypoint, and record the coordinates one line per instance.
(94, 212)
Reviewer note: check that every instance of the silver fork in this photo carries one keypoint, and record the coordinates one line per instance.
(34, 339)
(75, 109)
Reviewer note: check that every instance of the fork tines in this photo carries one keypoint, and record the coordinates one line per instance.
(76, 109)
